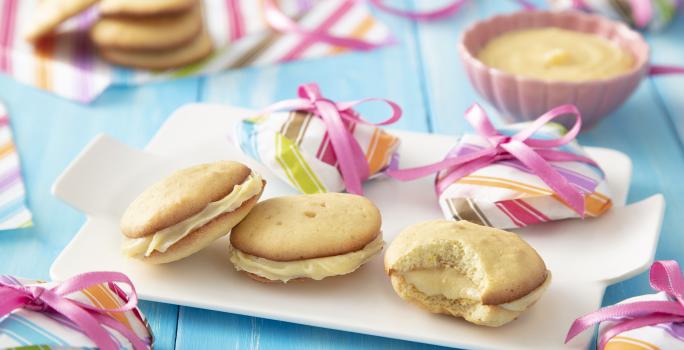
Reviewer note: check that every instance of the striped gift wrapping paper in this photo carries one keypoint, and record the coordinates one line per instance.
(24, 328)
(507, 195)
(13, 210)
(68, 66)
(297, 148)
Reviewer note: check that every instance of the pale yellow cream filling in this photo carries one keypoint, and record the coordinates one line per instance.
(316, 268)
(454, 285)
(163, 239)
(556, 54)
(447, 282)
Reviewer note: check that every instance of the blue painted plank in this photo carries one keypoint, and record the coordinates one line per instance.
(162, 319)
(49, 132)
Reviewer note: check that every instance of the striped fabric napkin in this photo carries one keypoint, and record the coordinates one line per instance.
(69, 67)
(13, 210)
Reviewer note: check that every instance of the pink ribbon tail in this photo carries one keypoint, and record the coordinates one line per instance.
(665, 69)
(642, 12)
(277, 20)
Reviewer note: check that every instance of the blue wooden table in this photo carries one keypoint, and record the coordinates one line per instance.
(422, 73)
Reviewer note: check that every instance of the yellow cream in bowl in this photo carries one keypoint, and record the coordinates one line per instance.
(556, 54)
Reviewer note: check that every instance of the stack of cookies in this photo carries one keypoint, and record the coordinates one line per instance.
(150, 34)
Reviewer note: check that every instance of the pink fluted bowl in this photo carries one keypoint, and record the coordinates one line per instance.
(521, 98)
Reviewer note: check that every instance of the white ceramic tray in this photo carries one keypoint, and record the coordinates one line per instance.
(585, 256)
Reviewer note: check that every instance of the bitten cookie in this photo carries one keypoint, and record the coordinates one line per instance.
(485, 275)
(156, 33)
(188, 210)
(306, 237)
(196, 50)
(50, 14)
(144, 8)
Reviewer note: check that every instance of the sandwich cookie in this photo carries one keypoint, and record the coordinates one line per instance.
(485, 275)
(188, 210)
(306, 237)
(198, 49)
(51, 13)
(155, 33)
(144, 8)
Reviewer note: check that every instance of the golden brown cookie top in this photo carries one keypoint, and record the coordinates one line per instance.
(138, 8)
(181, 195)
(504, 266)
(307, 226)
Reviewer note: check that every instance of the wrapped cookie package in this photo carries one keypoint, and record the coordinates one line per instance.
(645, 322)
(296, 147)
(654, 337)
(37, 325)
(507, 195)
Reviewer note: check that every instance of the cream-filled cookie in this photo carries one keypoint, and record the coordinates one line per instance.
(144, 8)
(188, 210)
(482, 274)
(198, 49)
(306, 237)
(154, 33)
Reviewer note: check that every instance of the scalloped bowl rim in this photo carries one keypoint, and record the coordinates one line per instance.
(637, 69)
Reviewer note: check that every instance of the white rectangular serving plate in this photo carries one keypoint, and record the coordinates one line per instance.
(584, 256)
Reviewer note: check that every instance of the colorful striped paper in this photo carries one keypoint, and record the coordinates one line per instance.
(69, 67)
(296, 147)
(507, 195)
(25, 328)
(13, 210)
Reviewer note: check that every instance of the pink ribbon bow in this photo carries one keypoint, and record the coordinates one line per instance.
(89, 319)
(351, 160)
(535, 154)
(665, 276)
